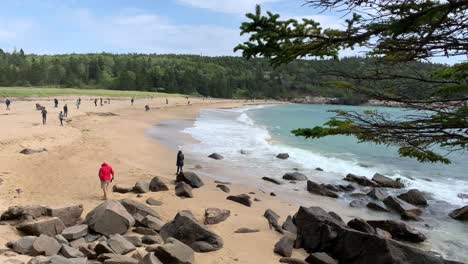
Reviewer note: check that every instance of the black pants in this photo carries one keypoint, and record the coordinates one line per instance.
(44, 120)
(65, 113)
(61, 122)
(179, 169)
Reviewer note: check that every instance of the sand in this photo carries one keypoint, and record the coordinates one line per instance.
(67, 173)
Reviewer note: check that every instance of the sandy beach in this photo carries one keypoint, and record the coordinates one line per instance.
(67, 173)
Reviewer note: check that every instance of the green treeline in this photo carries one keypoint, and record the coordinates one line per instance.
(228, 77)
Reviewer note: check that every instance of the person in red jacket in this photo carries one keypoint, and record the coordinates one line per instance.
(106, 175)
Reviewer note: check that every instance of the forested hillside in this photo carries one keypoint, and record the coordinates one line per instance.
(189, 74)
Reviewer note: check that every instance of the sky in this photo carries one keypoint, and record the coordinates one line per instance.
(202, 27)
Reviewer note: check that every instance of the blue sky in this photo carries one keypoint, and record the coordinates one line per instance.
(208, 27)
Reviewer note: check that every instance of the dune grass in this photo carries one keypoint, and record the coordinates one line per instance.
(48, 92)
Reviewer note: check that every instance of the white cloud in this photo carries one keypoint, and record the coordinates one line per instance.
(226, 6)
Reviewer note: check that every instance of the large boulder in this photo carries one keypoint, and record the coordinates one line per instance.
(110, 218)
(182, 189)
(46, 245)
(361, 180)
(216, 156)
(399, 230)
(282, 156)
(190, 178)
(377, 194)
(152, 222)
(70, 215)
(120, 245)
(186, 229)
(156, 185)
(141, 187)
(413, 196)
(75, 232)
(401, 206)
(385, 181)
(24, 245)
(23, 212)
(295, 176)
(48, 226)
(319, 189)
(460, 213)
(133, 207)
(215, 215)
(284, 246)
(175, 252)
(241, 198)
(289, 226)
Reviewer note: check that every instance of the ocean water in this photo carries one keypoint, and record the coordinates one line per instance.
(264, 131)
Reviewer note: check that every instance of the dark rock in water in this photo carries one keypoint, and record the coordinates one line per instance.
(289, 226)
(292, 261)
(283, 156)
(241, 198)
(318, 169)
(377, 194)
(357, 204)
(272, 194)
(346, 188)
(110, 218)
(47, 226)
(152, 201)
(315, 188)
(223, 188)
(399, 230)
(413, 196)
(462, 196)
(122, 189)
(244, 230)
(460, 213)
(46, 245)
(385, 181)
(28, 151)
(215, 216)
(427, 179)
(284, 246)
(245, 152)
(295, 176)
(401, 206)
(273, 218)
(320, 258)
(190, 178)
(141, 187)
(410, 216)
(377, 206)
(361, 225)
(216, 156)
(361, 180)
(359, 195)
(275, 181)
(337, 217)
(332, 187)
(187, 230)
(183, 190)
(134, 207)
(175, 252)
(222, 182)
(23, 212)
(156, 185)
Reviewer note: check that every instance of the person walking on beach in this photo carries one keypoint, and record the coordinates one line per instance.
(61, 117)
(44, 115)
(167, 101)
(78, 102)
(180, 161)
(101, 101)
(106, 176)
(7, 102)
(65, 110)
(55, 102)
(132, 100)
(147, 108)
(95, 102)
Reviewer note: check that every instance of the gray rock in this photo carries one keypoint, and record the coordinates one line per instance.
(183, 190)
(289, 226)
(141, 187)
(361, 225)
(399, 230)
(377, 194)
(284, 246)
(58, 260)
(122, 189)
(156, 185)
(24, 245)
(223, 188)
(245, 230)
(215, 215)
(70, 252)
(77, 242)
(272, 180)
(150, 258)
(401, 206)
(75, 232)
(120, 245)
(357, 204)
(385, 181)
(216, 156)
(320, 258)
(241, 198)
(282, 156)
(87, 252)
(23, 212)
(377, 206)
(152, 222)
(318, 189)
(295, 176)
(103, 248)
(120, 259)
(92, 237)
(48, 226)
(13, 261)
(109, 218)
(135, 240)
(152, 201)
(62, 240)
(144, 231)
(190, 178)
(70, 215)
(361, 180)
(292, 261)
(151, 240)
(175, 252)
(134, 207)
(186, 229)
(460, 213)
(273, 218)
(414, 197)
(46, 245)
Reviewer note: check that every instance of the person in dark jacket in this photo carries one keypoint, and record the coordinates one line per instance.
(65, 110)
(180, 161)
(55, 102)
(44, 115)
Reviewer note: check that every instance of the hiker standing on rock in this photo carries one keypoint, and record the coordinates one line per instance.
(180, 161)
(7, 102)
(61, 117)
(44, 115)
(65, 110)
(106, 175)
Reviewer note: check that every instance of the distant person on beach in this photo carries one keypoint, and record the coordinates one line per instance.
(65, 110)
(55, 102)
(132, 101)
(108, 100)
(180, 161)
(7, 102)
(167, 101)
(106, 175)
(95, 102)
(147, 108)
(44, 115)
(61, 117)
(78, 103)
(101, 101)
